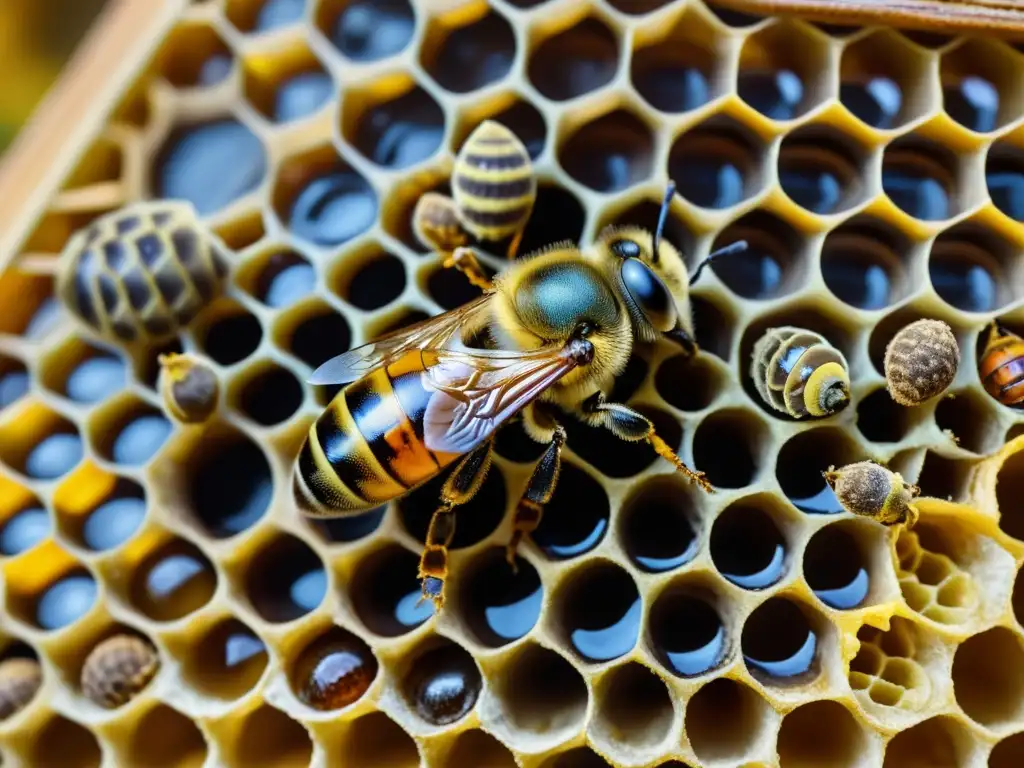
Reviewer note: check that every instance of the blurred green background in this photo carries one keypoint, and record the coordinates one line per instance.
(36, 39)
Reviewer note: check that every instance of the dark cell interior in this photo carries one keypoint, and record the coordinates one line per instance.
(921, 178)
(229, 485)
(211, 165)
(332, 208)
(64, 600)
(271, 396)
(115, 519)
(340, 530)
(232, 338)
(284, 278)
(610, 153)
(778, 642)
(600, 611)
(386, 593)
(557, 216)
(618, 458)
(369, 30)
(474, 520)
(1004, 175)
(881, 419)
(14, 380)
(835, 569)
(716, 164)
(863, 262)
(402, 132)
(473, 56)
(576, 518)
(285, 580)
(500, 604)
(748, 548)
(766, 268)
(727, 448)
(673, 75)
(54, 455)
(821, 170)
(24, 529)
(778, 94)
(138, 433)
(172, 582)
(377, 282)
(967, 267)
(579, 60)
(660, 527)
(802, 461)
(686, 632)
(320, 337)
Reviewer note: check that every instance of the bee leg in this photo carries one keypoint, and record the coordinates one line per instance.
(537, 494)
(627, 424)
(464, 260)
(460, 487)
(513, 246)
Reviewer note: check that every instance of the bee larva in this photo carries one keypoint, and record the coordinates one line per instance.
(798, 372)
(189, 387)
(871, 490)
(141, 273)
(921, 362)
(19, 680)
(1002, 366)
(117, 669)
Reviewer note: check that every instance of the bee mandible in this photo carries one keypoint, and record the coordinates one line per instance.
(561, 326)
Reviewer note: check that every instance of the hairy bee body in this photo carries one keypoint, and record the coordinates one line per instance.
(142, 272)
(367, 447)
(557, 328)
(1002, 367)
(799, 373)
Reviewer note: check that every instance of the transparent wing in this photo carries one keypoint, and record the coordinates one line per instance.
(432, 333)
(475, 392)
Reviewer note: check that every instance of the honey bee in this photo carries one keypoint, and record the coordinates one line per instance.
(560, 328)
(799, 373)
(141, 272)
(1002, 366)
(493, 192)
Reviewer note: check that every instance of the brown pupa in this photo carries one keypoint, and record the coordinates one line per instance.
(117, 669)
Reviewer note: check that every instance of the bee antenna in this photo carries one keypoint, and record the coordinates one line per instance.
(738, 247)
(670, 190)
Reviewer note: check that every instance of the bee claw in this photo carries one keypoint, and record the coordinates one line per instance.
(432, 588)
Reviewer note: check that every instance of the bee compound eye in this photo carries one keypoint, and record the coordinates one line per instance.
(626, 249)
(649, 294)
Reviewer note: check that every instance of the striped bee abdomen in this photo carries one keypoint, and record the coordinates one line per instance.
(493, 183)
(142, 272)
(799, 373)
(367, 447)
(1002, 367)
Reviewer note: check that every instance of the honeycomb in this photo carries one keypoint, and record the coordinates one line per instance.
(878, 176)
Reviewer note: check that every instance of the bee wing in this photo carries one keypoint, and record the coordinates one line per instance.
(432, 333)
(476, 391)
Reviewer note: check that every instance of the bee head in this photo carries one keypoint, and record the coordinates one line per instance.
(653, 276)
